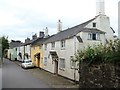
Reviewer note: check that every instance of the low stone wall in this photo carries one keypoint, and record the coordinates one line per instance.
(100, 76)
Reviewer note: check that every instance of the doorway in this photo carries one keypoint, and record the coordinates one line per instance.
(56, 66)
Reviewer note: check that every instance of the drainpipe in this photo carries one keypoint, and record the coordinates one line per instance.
(75, 63)
(24, 53)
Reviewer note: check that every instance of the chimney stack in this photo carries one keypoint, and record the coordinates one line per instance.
(34, 36)
(100, 8)
(41, 34)
(27, 40)
(46, 32)
(59, 27)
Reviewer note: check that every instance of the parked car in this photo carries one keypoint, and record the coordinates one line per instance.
(27, 64)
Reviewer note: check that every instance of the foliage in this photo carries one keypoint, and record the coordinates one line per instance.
(108, 53)
(5, 43)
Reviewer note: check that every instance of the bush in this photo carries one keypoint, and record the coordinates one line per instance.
(108, 53)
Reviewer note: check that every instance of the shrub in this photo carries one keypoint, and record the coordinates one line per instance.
(108, 53)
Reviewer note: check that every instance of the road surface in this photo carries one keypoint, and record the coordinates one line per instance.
(13, 76)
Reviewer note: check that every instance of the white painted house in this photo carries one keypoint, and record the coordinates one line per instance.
(12, 51)
(59, 49)
(20, 53)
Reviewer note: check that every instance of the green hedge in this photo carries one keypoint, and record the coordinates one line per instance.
(108, 53)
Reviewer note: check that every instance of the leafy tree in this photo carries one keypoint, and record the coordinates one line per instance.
(5, 44)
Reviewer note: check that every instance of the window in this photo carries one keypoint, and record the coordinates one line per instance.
(63, 44)
(62, 64)
(40, 47)
(34, 47)
(53, 45)
(45, 46)
(93, 36)
(94, 24)
(45, 61)
(98, 36)
(34, 58)
(72, 62)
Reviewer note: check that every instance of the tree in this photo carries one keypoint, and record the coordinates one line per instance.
(4, 44)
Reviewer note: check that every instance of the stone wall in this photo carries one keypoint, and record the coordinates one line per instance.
(100, 76)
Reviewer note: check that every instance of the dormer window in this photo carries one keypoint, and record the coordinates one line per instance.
(94, 24)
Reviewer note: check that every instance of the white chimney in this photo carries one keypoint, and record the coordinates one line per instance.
(46, 32)
(100, 8)
(59, 27)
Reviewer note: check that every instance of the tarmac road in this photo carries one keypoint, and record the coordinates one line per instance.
(13, 76)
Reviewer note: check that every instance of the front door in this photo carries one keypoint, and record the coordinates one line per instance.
(56, 67)
(38, 59)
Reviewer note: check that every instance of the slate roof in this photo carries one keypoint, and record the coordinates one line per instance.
(40, 41)
(13, 44)
(68, 33)
(95, 30)
(71, 32)
(28, 43)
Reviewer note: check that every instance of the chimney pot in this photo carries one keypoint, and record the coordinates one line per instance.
(41, 34)
(34, 36)
(46, 32)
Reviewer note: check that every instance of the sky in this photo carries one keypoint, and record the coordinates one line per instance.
(20, 19)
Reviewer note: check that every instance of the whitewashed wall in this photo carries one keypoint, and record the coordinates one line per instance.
(103, 24)
(22, 52)
(27, 50)
(66, 53)
(18, 51)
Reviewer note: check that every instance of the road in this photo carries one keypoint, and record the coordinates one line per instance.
(13, 76)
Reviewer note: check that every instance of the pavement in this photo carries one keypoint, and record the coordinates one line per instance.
(54, 81)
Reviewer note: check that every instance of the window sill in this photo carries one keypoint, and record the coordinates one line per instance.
(62, 69)
(63, 48)
(94, 40)
(52, 48)
(74, 68)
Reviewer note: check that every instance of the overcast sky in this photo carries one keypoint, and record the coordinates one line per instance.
(20, 19)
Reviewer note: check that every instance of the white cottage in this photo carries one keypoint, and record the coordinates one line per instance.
(20, 53)
(59, 49)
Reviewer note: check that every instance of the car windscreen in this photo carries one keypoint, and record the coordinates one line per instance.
(27, 61)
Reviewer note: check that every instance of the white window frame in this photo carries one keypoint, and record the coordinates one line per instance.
(63, 44)
(90, 36)
(62, 64)
(52, 45)
(45, 61)
(98, 36)
(45, 46)
(94, 23)
(72, 63)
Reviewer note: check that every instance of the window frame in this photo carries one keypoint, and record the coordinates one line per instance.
(52, 45)
(90, 36)
(94, 24)
(62, 64)
(45, 46)
(45, 61)
(72, 63)
(62, 44)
